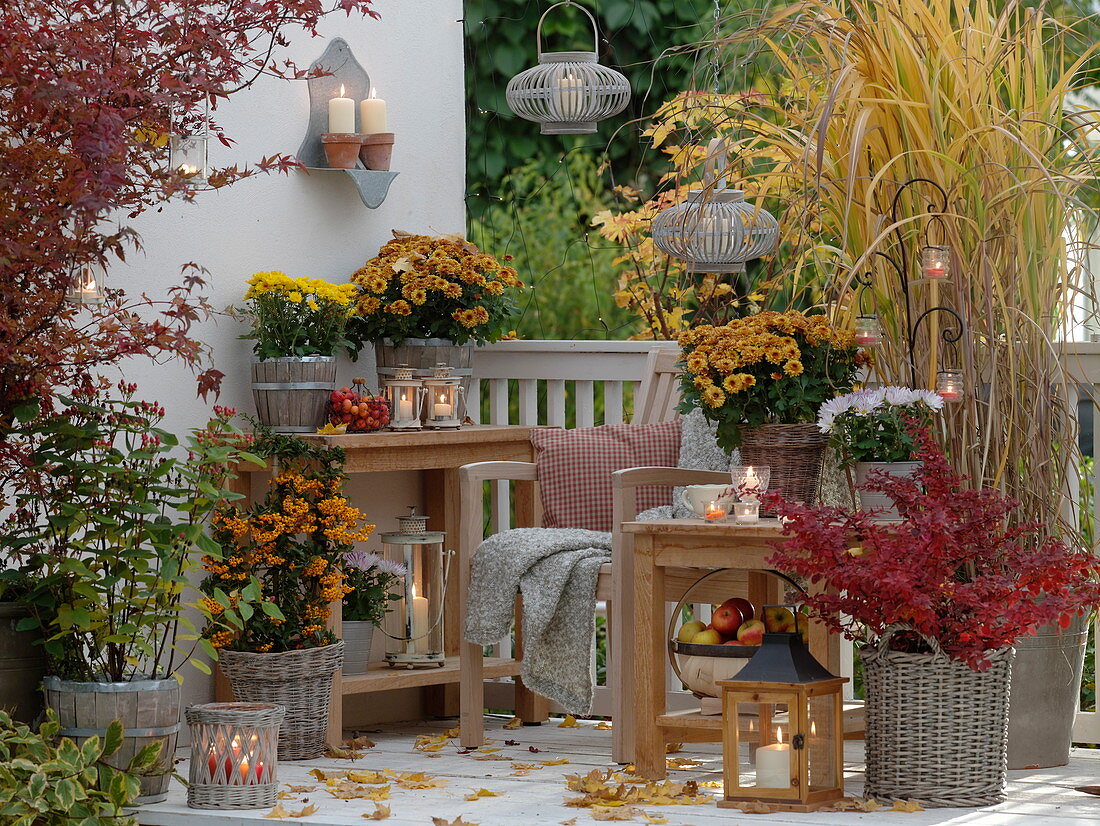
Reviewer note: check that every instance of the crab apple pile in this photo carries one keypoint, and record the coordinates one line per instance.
(358, 409)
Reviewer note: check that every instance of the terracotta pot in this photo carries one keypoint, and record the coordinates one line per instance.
(376, 149)
(341, 149)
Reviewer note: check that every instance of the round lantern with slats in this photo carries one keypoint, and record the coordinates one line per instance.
(568, 92)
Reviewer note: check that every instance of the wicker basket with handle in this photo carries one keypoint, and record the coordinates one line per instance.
(794, 452)
(937, 730)
(299, 680)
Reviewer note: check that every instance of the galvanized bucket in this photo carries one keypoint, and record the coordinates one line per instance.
(872, 499)
(148, 709)
(22, 666)
(357, 636)
(1046, 680)
(292, 393)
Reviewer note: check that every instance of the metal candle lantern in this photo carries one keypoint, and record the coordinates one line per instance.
(568, 92)
(404, 394)
(234, 749)
(188, 157)
(782, 728)
(414, 627)
(86, 287)
(442, 395)
(715, 230)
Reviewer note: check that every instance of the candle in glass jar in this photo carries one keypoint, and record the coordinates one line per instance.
(341, 114)
(419, 626)
(715, 512)
(773, 764)
(746, 511)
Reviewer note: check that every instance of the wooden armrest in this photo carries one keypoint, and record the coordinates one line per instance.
(670, 476)
(497, 471)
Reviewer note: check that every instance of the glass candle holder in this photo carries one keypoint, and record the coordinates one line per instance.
(750, 482)
(868, 331)
(715, 511)
(950, 385)
(746, 511)
(936, 261)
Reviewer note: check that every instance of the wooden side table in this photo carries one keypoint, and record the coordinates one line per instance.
(691, 543)
(438, 454)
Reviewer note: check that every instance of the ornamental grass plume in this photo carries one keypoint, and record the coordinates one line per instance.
(953, 569)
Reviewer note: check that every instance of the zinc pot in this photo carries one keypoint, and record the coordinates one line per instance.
(937, 730)
(22, 666)
(1046, 681)
(794, 452)
(423, 354)
(291, 393)
(148, 709)
(873, 500)
(299, 680)
(357, 643)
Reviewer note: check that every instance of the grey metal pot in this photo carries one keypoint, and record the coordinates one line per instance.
(22, 666)
(1046, 682)
(357, 636)
(880, 501)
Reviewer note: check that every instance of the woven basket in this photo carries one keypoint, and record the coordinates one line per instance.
(794, 452)
(299, 680)
(223, 777)
(937, 730)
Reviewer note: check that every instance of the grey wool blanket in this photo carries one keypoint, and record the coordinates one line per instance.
(556, 571)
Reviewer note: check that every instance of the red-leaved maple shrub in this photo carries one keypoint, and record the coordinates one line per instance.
(950, 569)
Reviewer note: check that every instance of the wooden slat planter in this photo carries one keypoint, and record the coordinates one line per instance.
(148, 709)
(22, 665)
(291, 393)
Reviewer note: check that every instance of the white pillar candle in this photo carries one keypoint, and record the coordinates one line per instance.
(773, 765)
(420, 625)
(372, 114)
(442, 409)
(570, 94)
(341, 114)
(404, 406)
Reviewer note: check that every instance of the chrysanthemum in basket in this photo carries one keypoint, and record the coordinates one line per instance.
(286, 555)
(424, 287)
(766, 368)
(297, 316)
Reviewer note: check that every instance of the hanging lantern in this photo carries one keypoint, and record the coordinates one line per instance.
(715, 230)
(86, 287)
(782, 728)
(188, 157)
(404, 394)
(234, 755)
(568, 92)
(442, 394)
(414, 628)
(950, 385)
(868, 331)
(936, 261)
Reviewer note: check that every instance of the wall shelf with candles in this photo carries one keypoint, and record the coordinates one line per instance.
(333, 110)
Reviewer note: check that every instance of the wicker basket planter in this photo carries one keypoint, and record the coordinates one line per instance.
(937, 730)
(233, 755)
(292, 394)
(794, 452)
(148, 709)
(299, 680)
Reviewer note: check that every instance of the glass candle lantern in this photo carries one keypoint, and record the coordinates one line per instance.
(782, 729)
(86, 288)
(188, 157)
(414, 627)
(936, 261)
(442, 395)
(234, 755)
(750, 482)
(950, 385)
(405, 395)
(868, 331)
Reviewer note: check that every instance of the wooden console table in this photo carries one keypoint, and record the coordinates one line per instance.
(438, 454)
(691, 543)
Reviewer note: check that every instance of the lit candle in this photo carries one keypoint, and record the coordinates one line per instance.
(570, 94)
(950, 393)
(746, 511)
(372, 114)
(404, 406)
(715, 512)
(936, 262)
(443, 410)
(773, 764)
(341, 114)
(420, 625)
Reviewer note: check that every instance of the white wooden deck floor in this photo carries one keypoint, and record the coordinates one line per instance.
(1035, 798)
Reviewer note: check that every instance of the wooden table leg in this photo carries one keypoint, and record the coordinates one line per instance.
(649, 670)
(621, 677)
(824, 645)
(441, 493)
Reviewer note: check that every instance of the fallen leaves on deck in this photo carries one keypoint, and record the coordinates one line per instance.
(301, 789)
(347, 790)
(417, 780)
(906, 806)
(351, 749)
(672, 748)
(604, 813)
(429, 743)
(480, 793)
(380, 812)
(654, 818)
(561, 761)
(514, 723)
(608, 789)
(458, 821)
(279, 811)
(603, 725)
(853, 804)
(569, 722)
(682, 764)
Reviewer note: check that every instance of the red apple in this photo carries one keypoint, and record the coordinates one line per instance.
(726, 619)
(751, 632)
(742, 605)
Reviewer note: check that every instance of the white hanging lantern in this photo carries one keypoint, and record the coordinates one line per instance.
(715, 230)
(86, 287)
(188, 157)
(568, 92)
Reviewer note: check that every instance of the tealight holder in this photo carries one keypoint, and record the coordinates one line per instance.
(715, 511)
(234, 755)
(936, 261)
(868, 331)
(750, 482)
(950, 385)
(405, 395)
(746, 511)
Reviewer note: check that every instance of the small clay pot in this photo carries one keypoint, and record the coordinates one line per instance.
(376, 150)
(341, 149)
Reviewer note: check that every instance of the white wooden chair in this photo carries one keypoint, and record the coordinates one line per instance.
(655, 401)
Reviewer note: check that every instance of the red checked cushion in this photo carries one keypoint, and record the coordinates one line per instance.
(575, 467)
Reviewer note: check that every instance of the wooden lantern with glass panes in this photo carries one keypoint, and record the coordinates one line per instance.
(782, 728)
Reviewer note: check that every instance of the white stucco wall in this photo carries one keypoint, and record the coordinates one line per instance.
(311, 225)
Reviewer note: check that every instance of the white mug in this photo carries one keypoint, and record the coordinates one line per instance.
(696, 497)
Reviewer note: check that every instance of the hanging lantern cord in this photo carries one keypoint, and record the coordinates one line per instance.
(714, 51)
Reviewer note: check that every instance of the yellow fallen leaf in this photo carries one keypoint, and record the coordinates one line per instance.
(569, 722)
(279, 811)
(605, 813)
(503, 757)
(571, 822)
(320, 775)
(514, 723)
(654, 818)
(682, 764)
(603, 725)
(711, 784)
(346, 790)
(755, 807)
(380, 812)
(672, 748)
(371, 777)
(284, 796)
(359, 743)
(906, 806)
(458, 821)
(561, 761)
(419, 780)
(482, 793)
(453, 732)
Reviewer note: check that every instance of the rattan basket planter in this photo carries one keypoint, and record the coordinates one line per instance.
(937, 730)
(301, 681)
(794, 452)
(233, 755)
